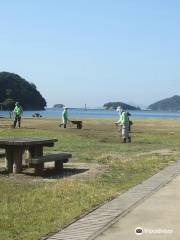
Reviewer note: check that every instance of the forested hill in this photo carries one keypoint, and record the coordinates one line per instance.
(13, 89)
(168, 104)
(114, 105)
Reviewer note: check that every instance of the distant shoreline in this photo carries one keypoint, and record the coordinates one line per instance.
(95, 113)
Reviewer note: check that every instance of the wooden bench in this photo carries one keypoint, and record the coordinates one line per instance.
(58, 157)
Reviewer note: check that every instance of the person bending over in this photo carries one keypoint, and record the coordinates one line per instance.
(124, 123)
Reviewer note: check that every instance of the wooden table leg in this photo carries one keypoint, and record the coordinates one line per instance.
(9, 160)
(37, 151)
(58, 165)
(17, 158)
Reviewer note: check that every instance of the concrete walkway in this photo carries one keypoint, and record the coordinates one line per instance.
(158, 217)
(153, 205)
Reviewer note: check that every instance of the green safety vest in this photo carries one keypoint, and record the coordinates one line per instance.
(65, 115)
(124, 119)
(18, 111)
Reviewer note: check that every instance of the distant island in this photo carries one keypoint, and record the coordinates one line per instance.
(59, 105)
(13, 89)
(168, 104)
(114, 105)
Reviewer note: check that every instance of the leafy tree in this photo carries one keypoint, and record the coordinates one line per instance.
(168, 104)
(59, 105)
(8, 93)
(13, 89)
(33, 85)
(8, 104)
(114, 105)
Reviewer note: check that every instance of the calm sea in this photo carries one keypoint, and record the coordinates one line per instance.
(96, 113)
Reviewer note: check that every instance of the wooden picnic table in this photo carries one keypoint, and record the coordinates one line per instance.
(14, 148)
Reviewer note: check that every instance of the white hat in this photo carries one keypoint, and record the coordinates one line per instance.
(119, 108)
(64, 107)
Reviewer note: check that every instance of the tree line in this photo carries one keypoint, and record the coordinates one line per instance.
(14, 88)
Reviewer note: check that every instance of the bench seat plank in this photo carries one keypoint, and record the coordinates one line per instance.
(51, 157)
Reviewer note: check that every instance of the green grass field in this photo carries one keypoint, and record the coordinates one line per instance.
(31, 206)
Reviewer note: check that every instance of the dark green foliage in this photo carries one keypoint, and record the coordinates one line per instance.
(13, 89)
(8, 104)
(168, 104)
(58, 105)
(114, 105)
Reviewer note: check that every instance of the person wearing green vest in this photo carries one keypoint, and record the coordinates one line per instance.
(18, 113)
(124, 123)
(65, 118)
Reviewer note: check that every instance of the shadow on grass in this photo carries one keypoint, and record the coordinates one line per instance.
(52, 173)
(49, 173)
(3, 171)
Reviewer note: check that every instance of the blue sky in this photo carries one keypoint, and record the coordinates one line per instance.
(93, 51)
